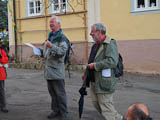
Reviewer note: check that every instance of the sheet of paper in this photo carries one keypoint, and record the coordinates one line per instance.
(106, 73)
(30, 45)
(35, 50)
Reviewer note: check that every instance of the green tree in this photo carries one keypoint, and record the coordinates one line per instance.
(3, 15)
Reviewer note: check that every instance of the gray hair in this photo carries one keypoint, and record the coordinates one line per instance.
(100, 26)
(57, 19)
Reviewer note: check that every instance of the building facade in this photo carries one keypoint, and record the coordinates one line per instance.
(133, 23)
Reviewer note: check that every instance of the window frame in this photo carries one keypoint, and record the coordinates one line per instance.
(135, 11)
(146, 8)
(59, 6)
(34, 7)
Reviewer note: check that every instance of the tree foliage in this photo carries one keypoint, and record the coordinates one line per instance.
(3, 15)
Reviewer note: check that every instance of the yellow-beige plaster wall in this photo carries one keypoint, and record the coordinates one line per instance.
(138, 36)
(35, 29)
(122, 25)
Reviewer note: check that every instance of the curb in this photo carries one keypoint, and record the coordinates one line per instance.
(73, 67)
(40, 66)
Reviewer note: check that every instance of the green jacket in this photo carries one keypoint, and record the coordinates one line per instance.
(106, 58)
(54, 58)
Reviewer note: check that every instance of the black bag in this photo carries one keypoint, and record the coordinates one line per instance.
(119, 68)
(68, 54)
(118, 71)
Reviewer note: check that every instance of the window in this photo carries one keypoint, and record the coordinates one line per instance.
(145, 5)
(34, 7)
(59, 6)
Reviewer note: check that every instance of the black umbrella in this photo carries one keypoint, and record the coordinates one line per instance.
(83, 92)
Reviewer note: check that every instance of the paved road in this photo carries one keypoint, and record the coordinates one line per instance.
(28, 98)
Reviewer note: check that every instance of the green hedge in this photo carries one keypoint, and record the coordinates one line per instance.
(5, 42)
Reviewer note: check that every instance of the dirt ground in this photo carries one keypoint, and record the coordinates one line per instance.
(28, 98)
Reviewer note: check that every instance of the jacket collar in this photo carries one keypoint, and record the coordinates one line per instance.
(107, 41)
(55, 36)
(58, 34)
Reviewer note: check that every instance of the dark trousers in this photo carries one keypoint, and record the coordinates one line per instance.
(2, 94)
(57, 92)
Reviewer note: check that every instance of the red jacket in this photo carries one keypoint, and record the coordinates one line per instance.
(3, 74)
(3, 55)
(3, 61)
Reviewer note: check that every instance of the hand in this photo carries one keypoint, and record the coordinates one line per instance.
(91, 66)
(48, 44)
(82, 77)
(83, 91)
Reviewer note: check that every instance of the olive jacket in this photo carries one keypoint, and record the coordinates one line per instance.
(54, 58)
(105, 59)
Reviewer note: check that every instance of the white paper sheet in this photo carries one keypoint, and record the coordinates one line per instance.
(35, 50)
(106, 73)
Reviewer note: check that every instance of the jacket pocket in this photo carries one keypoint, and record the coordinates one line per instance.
(105, 83)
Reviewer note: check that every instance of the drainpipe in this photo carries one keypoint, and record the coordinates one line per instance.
(20, 34)
(15, 32)
(86, 32)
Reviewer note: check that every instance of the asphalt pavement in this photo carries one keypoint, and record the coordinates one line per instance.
(28, 98)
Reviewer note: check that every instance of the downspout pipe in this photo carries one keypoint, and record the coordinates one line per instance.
(86, 32)
(15, 31)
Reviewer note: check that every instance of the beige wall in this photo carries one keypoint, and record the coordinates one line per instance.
(137, 36)
(115, 14)
(35, 29)
(141, 55)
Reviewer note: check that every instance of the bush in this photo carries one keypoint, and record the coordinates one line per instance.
(5, 42)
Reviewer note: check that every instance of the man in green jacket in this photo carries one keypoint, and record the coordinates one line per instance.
(99, 73)
(54, 72)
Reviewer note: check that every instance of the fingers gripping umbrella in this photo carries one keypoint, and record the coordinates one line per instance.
(82, 92)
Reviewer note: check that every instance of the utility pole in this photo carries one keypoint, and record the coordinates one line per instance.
(15, 31)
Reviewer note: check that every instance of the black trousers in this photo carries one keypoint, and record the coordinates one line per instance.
(2, 94)
(57, 92)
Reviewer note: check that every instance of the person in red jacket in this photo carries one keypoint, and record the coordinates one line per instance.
(3, 76)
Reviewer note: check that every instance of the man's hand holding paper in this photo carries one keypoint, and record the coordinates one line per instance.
(35, 50)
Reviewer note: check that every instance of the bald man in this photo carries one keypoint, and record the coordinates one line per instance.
(138, 112)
